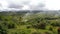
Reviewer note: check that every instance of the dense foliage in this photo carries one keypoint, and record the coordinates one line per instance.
(29, 23)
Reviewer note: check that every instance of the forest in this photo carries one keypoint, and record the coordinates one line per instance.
(27, 22)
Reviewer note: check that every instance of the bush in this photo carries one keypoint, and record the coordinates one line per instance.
(58, 30)
(39, 26)
(10, 26)
(55, 24)
(29, 26)
(21, 32)
(50, 28)
(2, 30)
(36, 33)
(47, 32)
(0, 18)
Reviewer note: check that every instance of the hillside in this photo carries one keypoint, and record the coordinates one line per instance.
(30, 22)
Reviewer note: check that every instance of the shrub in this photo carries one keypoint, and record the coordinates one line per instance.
(23, 31)
(29, 26)
(47, 32)
(10, 26)
(36, 33)
(50, 28)
(2, 30)
(0, 18)
(59, 30)
(39, 26)
(55, 24)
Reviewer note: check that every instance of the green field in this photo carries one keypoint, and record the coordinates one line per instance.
(29, 23)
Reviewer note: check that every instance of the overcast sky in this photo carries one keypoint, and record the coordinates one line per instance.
(30, 4)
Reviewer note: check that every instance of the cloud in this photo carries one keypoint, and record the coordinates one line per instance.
(3, 4)
(29, 4)
(53, 4)
(21, 4)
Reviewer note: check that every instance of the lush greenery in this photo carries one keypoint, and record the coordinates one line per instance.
(29, 23)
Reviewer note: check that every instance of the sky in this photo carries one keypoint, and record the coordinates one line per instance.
(29, 4)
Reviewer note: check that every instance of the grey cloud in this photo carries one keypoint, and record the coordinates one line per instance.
(15, 6)
(19, 4)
